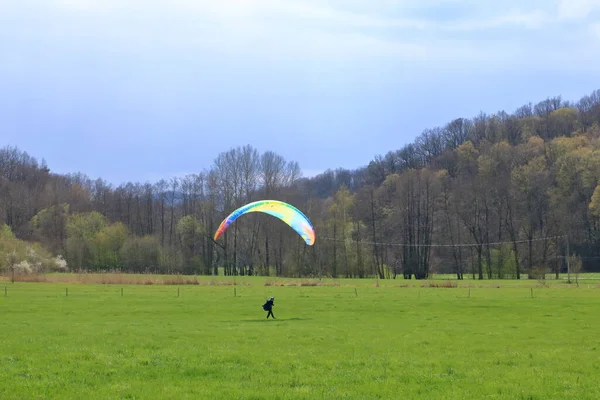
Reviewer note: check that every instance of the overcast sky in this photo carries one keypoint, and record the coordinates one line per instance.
(144, 89)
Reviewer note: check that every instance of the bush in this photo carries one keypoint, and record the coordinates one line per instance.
(20, 257)
(538, 273)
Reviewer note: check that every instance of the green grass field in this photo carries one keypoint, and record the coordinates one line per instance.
(350, 340)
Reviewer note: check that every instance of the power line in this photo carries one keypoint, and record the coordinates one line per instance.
(440, 245)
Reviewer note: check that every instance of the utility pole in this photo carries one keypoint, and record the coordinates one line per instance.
(568, 262)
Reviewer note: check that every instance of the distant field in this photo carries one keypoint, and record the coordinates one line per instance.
(345, 339)
(587, 279)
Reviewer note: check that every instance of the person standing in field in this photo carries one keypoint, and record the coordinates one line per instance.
(268, 306)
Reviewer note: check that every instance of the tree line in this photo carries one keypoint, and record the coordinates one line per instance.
(495, 196)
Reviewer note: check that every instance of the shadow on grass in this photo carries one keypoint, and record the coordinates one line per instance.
(270, 319)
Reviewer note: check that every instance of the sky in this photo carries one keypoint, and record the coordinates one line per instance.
(140, 90)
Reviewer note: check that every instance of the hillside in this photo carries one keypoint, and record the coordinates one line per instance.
(496, 195)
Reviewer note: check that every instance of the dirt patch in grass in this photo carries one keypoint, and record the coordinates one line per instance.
(124, 279)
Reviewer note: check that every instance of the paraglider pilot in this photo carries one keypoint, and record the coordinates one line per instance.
(268, 306)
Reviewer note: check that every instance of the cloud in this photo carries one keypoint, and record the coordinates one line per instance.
(81, 5)
(576, 9)
(311, 173)
(375, 16)
(270, 12)
(399, 33)
(595, 30)
(530, 20)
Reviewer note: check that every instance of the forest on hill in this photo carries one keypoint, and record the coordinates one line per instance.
(494, 196)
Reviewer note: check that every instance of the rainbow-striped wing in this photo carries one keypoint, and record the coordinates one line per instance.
(284, 211)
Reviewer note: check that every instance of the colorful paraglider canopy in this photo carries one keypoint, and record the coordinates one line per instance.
(284, 211)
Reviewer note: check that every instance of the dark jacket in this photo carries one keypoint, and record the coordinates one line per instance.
(268, 305)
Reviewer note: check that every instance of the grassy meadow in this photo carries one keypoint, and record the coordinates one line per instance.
(67, 337)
